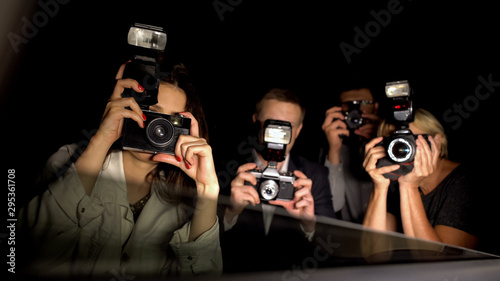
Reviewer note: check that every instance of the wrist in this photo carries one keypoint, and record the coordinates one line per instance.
(309, 224)
(231, 213)
(403, 185)
(208, 191)
(334, 156)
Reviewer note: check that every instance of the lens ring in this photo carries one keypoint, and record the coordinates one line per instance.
(269, 189)
(353, 119)
(400, 150)
(160, 132)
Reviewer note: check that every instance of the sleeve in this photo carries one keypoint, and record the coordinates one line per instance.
(322, 194)
(200, 256)
(51, 222)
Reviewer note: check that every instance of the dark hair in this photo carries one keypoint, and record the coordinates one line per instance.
(172, 184)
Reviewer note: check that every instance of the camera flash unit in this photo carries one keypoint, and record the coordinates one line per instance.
(147, 36)
(397, 89)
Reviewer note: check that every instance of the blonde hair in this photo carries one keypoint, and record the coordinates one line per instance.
(425, 121)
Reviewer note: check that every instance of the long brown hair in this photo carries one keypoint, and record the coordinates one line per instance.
(171, 184)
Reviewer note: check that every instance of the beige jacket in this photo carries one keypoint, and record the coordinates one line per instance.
(95, 236)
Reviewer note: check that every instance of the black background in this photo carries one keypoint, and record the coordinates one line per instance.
(65, 74)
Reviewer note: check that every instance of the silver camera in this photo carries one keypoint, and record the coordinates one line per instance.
(271, 184)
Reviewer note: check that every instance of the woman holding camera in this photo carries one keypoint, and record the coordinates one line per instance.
(436, 201)
(128, 213)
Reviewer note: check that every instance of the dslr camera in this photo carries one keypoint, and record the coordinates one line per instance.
(161, 131)
(272, 184)
(401, 146)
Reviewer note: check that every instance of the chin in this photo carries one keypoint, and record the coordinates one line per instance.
(142, 156)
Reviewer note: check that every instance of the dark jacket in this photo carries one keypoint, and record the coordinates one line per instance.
(246, 247)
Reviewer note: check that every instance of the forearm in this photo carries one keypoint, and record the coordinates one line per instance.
(90, 162)
(413, 216)
(376, 213)
(205, 214)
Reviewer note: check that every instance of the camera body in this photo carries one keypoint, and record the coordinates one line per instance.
(353, 116)
(159, 135)
(271, 184)
(353, 119)
(401, 145)
(161, 131)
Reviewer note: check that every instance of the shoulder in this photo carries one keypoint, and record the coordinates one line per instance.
(309, 168)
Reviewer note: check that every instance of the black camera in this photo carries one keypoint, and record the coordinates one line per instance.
(401, 146)
(353, 116)
(272, 184)
(159, 135)
(161, 130)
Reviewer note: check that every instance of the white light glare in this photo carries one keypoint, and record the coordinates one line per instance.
(147, 38)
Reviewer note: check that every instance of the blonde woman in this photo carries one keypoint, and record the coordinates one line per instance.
(436, 200)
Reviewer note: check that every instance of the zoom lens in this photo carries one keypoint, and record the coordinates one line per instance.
(401, 150)
(269, 190)
(160, 132)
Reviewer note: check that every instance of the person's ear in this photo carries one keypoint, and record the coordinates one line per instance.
(375, 108)
(299, 129)
(438, 139)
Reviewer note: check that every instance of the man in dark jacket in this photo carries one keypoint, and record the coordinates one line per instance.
(265, 235)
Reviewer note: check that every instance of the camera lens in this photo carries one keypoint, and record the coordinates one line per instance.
(401, 150)
(160, 132)
(269, 189)
(353, 119)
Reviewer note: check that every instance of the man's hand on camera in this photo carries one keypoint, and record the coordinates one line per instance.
(334, 128)
(302, 205)
(241, 194)
(369, 129)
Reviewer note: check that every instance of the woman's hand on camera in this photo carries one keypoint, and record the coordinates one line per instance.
(193, 155)
(372, 154)
(116, 110)
(424, 164)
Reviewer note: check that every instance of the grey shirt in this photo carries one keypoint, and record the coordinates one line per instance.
(350, 193)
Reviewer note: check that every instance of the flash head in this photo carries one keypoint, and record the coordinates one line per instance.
(397, 89)
(279, 132)
(147, 36)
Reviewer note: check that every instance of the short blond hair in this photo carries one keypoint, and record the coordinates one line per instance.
(425, 121)
(283, 95)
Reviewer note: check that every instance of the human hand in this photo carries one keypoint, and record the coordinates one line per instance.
(116, 110)
(302, 205)
(369, 129)
(193, 155)
(335, 128)
(372, 154)
(424, 164)
(242, 194)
